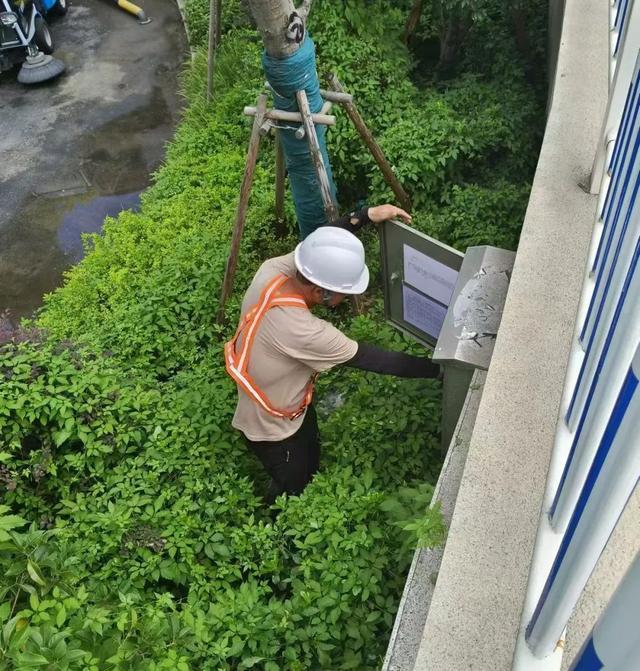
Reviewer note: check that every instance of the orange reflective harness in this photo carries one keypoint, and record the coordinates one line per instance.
(237, 362)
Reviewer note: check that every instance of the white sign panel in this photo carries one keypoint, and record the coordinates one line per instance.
(428, 275)
(421, 312)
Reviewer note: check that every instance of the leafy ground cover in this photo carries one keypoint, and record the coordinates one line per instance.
(134, 535)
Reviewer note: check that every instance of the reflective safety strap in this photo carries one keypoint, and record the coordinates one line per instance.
(237, 363)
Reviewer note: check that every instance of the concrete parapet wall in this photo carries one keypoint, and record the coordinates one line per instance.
(477, 603)
(416, 598)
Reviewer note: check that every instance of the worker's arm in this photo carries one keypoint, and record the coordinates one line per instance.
(376, 360)
(354, 221)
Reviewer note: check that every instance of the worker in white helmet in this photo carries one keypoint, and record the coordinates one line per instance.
(280, 346)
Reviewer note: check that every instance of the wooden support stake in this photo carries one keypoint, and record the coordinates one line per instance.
(336, 97)
(241, 212)
(295, 117)
(218, 22)
(326, 108)
(280, 178)
(214, 41)
(330, 207)
(374, 148)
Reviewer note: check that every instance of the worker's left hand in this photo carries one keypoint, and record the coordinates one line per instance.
(387, 211)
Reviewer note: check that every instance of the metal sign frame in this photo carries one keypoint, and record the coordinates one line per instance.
(393, 236)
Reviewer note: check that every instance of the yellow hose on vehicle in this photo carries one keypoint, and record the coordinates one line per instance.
(138, 12)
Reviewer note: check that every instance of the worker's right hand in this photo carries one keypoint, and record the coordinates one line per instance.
(387, 211)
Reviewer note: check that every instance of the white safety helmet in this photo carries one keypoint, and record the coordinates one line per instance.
(333, 259)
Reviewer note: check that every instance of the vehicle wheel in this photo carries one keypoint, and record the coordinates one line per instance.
(59, 8)
(42, 37)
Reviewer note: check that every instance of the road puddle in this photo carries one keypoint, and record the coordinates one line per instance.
(88, 218)
(47, 239)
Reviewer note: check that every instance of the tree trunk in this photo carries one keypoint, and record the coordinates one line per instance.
(281, 25)
(413, 20)
(452, 34)
(215, 9)
(519, 17)
(290, 68)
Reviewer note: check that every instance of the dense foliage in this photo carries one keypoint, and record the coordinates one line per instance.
(134, 534)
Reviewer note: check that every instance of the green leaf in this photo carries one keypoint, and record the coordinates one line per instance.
(61, 616)
(62, 436)
(34, 574)
(9, 628)
(11, 522)
(33, 659)
(5, 610)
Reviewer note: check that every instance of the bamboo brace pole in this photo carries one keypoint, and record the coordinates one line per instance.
(218, 22)
(214, 41)
(295, 117)
(241, 212)
(330, 207)
(374, 147)
(336, 97)
(280, 179)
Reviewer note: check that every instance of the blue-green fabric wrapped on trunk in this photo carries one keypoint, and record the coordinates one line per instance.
(286, 76)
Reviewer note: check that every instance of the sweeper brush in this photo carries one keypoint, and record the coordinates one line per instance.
(40, 68)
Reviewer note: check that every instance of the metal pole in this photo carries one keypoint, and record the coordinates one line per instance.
(611, 480)
(614, 643)
(455, 387)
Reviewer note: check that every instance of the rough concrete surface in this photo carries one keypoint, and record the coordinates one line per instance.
(82, 147)
(416, 598)
(476, 608)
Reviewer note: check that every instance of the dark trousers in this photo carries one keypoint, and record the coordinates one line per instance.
(291, 462)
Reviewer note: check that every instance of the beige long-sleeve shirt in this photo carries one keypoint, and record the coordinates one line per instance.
(290, 345)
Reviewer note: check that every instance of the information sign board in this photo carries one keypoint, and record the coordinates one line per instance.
(419, 276)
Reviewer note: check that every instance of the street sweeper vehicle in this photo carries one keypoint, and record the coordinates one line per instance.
(25, 38)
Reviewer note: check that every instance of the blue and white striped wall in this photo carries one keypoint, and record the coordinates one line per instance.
(614, 643)
(596, 460)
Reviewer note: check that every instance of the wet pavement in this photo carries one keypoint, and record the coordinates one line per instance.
(82, 147)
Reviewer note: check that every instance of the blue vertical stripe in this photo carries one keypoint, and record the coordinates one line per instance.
(619, 178)
(597, 293)
(624, 120)
(616, 255)
(629, 276)
(608, 439)
(596, 376)
(620, 14)
(621, 24)
(624, 133)
(618, 187)
(587, 659)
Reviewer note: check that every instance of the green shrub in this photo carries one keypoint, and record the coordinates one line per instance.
(148, 544)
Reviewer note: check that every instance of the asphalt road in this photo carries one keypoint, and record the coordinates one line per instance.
(82, 147)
